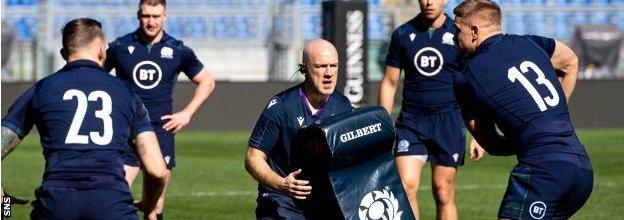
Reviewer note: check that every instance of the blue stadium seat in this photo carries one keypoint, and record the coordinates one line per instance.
(241, 27)
(174, 26)
(600, 2)
(619, 19)
(581, 18)
(536, 3)
(377, 29)
(562, 24)
(535, 23)
(600, 18)
(580, 3)
(562, 3)
(197, 26)
(374, 2)
(311, 26)
(219, 28)
(121, 26)
(11, 2)
(515, 23)
(25, 28)
(450, 4)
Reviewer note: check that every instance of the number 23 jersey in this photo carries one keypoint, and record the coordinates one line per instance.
(511, 79)
(85, 118)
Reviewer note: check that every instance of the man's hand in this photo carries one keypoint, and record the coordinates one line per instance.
(476, 151)
(177, 121)
(139, 205)
(297, 189)
(150, 216)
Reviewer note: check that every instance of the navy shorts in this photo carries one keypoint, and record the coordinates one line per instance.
(546, 190)
(67, 204)
(274, 206)
(439, 136)
(166, 142)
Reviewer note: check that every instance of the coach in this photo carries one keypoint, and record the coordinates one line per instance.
(269, 156)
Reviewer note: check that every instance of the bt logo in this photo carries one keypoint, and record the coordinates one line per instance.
(428, 61)
(537, 210)
(146, 74)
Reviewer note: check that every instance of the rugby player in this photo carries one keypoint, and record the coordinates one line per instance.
(85, 118)
(149, 60)
(429, 126)
(522, 85)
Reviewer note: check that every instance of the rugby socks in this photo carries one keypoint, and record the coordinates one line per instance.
(159, 216)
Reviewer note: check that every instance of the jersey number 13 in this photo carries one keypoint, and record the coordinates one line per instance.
(72, 135)
(514, 74)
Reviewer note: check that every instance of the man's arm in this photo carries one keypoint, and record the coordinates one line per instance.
(10, 140)
(205, 85)
(256, 165)
(484, 132)
(566, 64)
(148, 150)
(388, 87)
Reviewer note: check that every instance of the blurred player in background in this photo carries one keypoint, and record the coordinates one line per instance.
(149, 60)
(429, 127)
(269, 156)
(522, 85)
(85, 118)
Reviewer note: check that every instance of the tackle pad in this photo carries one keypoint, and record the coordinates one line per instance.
(348, 160)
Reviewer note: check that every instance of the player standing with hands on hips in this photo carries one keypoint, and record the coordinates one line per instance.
(149, 60)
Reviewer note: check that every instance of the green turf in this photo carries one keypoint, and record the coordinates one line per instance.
(210, 181)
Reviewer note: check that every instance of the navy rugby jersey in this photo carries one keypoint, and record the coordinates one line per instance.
(511, 79)
(279, 122)
(429, 60)
(152, 70)
(85, 118)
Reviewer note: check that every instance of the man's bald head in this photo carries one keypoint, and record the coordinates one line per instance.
(483, 13)
(320, 67)
(316, 47)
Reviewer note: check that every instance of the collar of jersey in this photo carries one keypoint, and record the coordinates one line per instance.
(305, 102)
(446, 25)
(489, 41)
(83, 63)
(135, 36)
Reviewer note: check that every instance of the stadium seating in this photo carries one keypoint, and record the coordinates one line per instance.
(254, 23)
(217, 26)
(245, 27)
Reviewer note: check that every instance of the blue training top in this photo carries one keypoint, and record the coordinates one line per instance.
(85, 118)
(429, 60)
(152, 70)
(511, 79)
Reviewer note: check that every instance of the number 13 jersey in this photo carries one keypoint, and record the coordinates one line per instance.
(511, 80)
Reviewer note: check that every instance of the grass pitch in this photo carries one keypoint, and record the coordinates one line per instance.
(210, 181)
